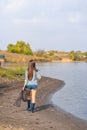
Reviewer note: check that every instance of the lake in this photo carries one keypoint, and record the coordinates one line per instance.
(72, 97)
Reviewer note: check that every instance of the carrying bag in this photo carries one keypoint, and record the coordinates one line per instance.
(21, 97)
(18, 101)
(24, 95)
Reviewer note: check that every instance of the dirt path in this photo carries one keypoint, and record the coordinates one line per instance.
(45, 117)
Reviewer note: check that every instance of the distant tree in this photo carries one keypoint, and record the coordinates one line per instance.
(11, 48)
(85, 54)
(74, 56)
(40, 53)
(51, 53)
(20, 47)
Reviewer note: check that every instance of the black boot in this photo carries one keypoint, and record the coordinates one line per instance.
(32, 107)
(28, 104)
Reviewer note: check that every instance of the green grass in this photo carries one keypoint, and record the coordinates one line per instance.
(12, 73)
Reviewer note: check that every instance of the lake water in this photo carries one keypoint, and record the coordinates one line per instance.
(73, 96)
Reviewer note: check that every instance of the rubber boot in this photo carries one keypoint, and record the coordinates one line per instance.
(28, 104)
(32, 107)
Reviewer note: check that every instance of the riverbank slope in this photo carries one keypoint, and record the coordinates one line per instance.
(45, 117)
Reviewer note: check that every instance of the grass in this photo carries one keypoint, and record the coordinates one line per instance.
(12, 73)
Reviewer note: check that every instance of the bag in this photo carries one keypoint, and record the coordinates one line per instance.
(21, 97)
(18, 101)
(24, 95)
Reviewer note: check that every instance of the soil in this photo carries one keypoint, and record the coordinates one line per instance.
(46, 115)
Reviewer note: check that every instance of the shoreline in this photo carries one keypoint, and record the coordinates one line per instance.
(46, 115)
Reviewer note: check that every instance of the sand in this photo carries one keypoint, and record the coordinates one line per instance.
(46, 115)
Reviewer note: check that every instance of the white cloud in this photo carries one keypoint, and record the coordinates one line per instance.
(75, 17)
(27, 21)
(14, 5)
(43, 20)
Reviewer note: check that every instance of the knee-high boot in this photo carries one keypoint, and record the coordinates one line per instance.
(32, 107)
(28, 104)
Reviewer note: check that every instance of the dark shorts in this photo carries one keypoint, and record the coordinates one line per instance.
(30, 87)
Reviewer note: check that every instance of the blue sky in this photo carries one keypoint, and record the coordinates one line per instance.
(45, 24)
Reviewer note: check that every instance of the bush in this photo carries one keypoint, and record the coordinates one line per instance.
(20, 47)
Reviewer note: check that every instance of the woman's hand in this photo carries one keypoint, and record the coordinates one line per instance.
(23, 88)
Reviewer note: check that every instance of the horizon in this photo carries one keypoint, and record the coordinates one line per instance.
(51, 50)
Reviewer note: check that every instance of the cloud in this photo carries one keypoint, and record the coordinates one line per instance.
(27, 21)
(44, 21)
(75, 17)
(13, 6)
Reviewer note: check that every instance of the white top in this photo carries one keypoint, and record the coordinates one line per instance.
(34, 79)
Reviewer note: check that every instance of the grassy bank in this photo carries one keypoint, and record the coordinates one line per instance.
(14, 73)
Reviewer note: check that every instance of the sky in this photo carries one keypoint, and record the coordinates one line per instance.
(45, 24)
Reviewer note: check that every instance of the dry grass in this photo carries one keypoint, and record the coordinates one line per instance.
(21, 58)
(13, 57)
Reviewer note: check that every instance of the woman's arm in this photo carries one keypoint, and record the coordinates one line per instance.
(38, 75)
(24, 86)
(25, 82)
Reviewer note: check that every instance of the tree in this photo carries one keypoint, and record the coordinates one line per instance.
(51, 53)
(74, 56)
(20, 47)
(85, 54)
(11, 48)
(40, 53)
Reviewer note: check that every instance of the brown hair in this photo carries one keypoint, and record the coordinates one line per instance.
(31, 68)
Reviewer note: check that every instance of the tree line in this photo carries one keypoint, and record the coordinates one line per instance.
(22, 47)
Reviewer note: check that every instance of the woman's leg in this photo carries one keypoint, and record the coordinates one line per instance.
(28, 98)
(33, 97)
(28, 94)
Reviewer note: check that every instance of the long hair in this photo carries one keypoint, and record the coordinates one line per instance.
(31, 69)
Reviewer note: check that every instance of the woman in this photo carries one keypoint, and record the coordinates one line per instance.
(31, 84)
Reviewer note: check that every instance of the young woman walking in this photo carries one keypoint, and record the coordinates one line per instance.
(31, 84)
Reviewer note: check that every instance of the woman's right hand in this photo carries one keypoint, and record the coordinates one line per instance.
(23, 88)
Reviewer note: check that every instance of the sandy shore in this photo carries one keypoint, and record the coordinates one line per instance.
(45, 117)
